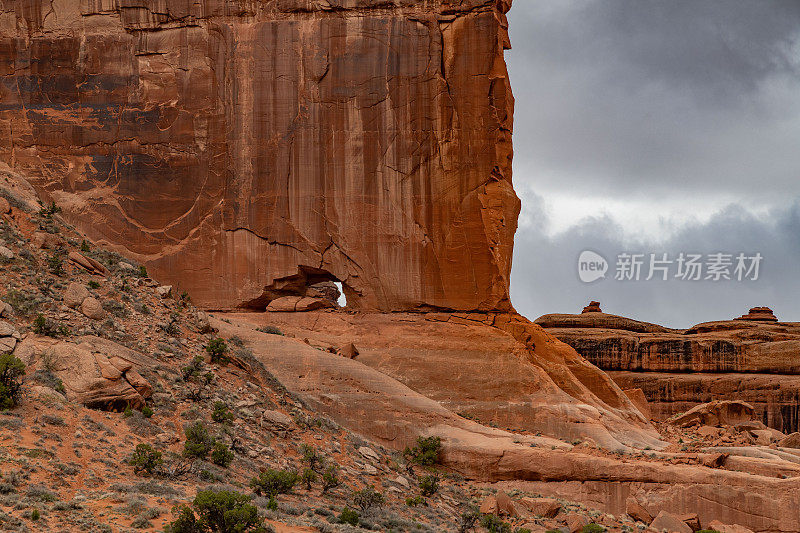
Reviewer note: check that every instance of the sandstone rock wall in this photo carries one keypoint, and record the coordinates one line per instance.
(751, 360)
(243, 150)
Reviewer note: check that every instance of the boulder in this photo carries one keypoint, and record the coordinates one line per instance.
(164, 291)
(790, 441)
(541, 507)
(87, 263)
(46, 241)
(348, 350)
(636, 511)
(691, 520)
(718, 413)
(276, 420)
(75, 294)
(716, 525)
(669, 523)
(576, 522)
(288, 304)
(92, 308)
(123, 265)
(488, 505)
(6, 254)
(5, 207)
(5, 309)
(505, 505)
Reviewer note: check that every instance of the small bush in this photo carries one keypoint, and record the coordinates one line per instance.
(429, 485)
(147, 411)
(221, 413)
(415, 501)
(593, 528)
(217, 349)
(145, 459)
(199, 441)
(349, 516)
(23, 303)
(221, 455)
(330, 478)
(425, 453)
(197, 377)
(93, 285)
(272, 482)
(311, 457)
(35, 514)
(272, 330)
(49, 328)
(468, 518)
(308, 478)
(11, 372)
(85, 248)
(218, 512)
(367, 498)
(143, 271)
(128, 412)
(493, 524)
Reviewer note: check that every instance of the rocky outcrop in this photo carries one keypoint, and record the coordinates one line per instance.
(363, 397)
(752, 360)
(764, 314)
(243, 151)
(95, 372)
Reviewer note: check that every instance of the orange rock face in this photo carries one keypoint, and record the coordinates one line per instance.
(245, 150)
(753, 360)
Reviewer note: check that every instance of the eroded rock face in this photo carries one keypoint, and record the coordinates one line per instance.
(753, 360)
(245, 150)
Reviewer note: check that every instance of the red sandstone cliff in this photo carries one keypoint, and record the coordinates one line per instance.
(245, 149)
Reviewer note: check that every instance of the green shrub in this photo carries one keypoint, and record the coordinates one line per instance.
(308, 478)
(493, 524)
(221, 455)
(93, 285)
(272, 504)
(197, 377)
(199, 441)
(217, 349)
(425, 453)
(11, 372)
(593, 528)
(415, 501)
(429, 485)
(35, 514)
(143, 271)
(272, 482)
(311, 457)
(330, 478)
(221, 413)
(349, 516)
(50, 328)
(468, 518)
(128, 412)
(367, 498)
(145, 459)
(220, 511)
(272, 330)
(85, 248)
(147, 411)
(47, 211)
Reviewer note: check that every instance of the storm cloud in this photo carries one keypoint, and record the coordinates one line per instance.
(656, 126)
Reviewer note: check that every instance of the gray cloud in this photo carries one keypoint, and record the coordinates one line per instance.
(641, 96)
(545, 277)
(657, 101)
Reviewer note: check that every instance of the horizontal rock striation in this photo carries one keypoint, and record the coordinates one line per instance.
(754, 360)
(246, 150)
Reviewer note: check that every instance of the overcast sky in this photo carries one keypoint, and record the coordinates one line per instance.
(664, 126)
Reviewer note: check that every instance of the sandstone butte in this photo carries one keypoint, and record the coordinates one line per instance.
(246, 151)
(243, 150)
(752, 358)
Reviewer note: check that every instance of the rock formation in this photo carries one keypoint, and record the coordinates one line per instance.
(245, 150)
(760, 314)
(593, 307)
(754, 360)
